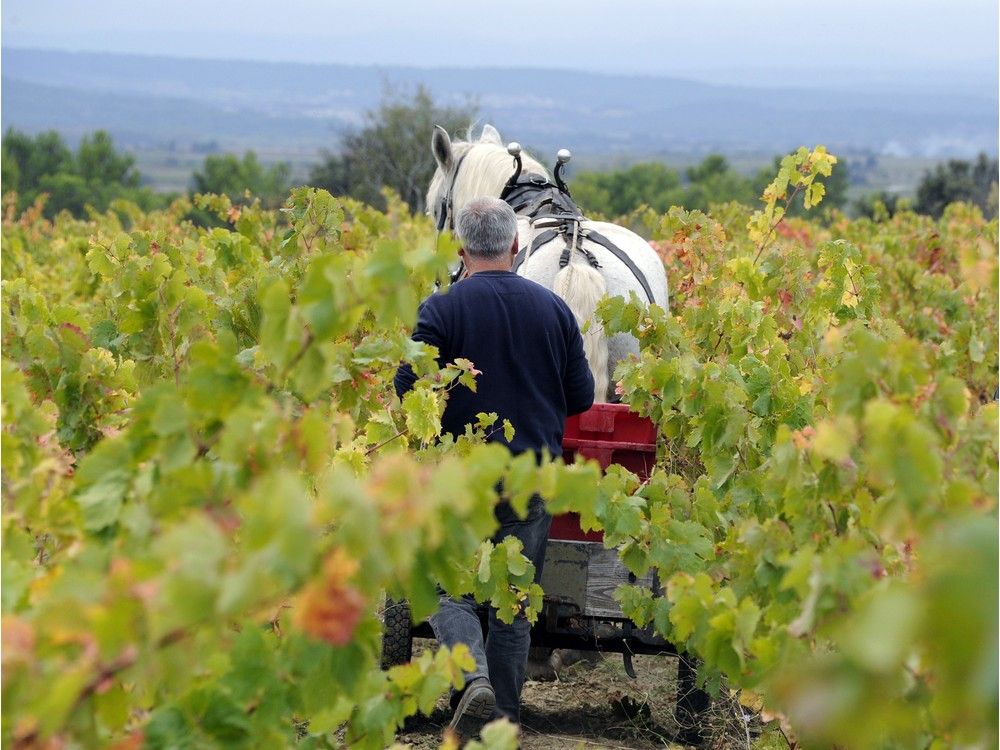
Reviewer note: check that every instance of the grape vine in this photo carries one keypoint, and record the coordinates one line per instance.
(209, 486)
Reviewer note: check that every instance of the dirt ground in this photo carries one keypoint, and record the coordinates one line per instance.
(589, 706)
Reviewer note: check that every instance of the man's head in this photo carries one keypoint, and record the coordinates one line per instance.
(487, 229)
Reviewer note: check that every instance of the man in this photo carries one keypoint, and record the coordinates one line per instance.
(526, 344)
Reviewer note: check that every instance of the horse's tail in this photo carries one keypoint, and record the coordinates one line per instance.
(581, 286)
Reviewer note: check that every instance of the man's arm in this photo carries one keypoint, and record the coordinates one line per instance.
(578, 382)
(429, 330)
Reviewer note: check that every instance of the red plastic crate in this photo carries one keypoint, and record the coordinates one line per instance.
(609, 434)
(615, 424)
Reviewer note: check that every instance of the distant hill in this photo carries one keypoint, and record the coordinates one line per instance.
(151, 102)
(147, 121)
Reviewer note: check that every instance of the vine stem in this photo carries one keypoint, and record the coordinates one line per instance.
(833, 515)
(857, 294)
(385, 442)
(310, 337)
(172, 332)
(792, 745)
(716, 347)
(770, 231)
(126, 659)
(306, 343)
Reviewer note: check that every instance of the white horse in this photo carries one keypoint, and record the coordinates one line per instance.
(474, 169)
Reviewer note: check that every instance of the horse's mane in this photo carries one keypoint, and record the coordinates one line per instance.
(485, 170)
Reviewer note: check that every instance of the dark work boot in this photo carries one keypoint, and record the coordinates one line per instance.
(474, 710)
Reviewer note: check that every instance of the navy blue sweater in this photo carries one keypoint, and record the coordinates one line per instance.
(527, 345)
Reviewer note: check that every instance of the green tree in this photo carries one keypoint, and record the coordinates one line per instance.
(658, 186)
(227, 174)
(619, 192)
(391, 150)
(878, 205)
(94, 176)
(333, 173)
(714, 181)
(958, 181)
(10, 173)
(27, 160)
(68, 191)
(98, 162)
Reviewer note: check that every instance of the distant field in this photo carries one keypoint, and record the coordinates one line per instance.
(898, 174)
(169, 171)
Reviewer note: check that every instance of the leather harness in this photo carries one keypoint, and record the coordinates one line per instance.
(552, 208)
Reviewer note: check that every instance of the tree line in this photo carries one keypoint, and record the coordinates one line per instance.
(391, 151)
(95, 175)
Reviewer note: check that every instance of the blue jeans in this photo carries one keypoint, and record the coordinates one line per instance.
(504, 656)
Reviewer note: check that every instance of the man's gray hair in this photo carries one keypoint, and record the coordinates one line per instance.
(487, 228)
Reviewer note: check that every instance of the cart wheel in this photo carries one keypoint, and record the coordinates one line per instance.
(692, 703)
(397, 642)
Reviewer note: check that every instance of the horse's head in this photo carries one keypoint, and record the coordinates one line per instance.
(470, 169)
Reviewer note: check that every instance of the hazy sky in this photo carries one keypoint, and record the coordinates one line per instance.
(665, 37)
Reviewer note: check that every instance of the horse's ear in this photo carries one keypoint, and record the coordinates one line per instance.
(441, 146)
(490, 135)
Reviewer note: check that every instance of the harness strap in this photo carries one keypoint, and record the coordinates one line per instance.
(524, 253)
(608, 245)
(535, 207)
(447, 209)
(546, 237)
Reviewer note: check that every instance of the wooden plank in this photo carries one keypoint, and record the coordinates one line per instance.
(564, 575)
(605, 573)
